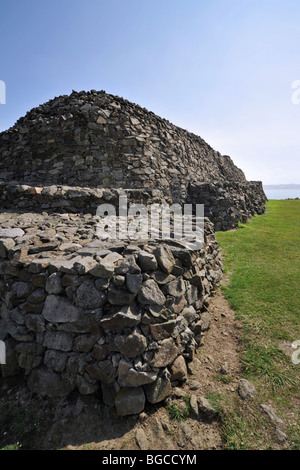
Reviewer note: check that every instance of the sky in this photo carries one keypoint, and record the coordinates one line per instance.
(222, 69)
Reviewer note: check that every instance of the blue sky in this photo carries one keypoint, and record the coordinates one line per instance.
(222, 69)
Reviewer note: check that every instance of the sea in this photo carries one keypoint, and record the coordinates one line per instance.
(282, 193)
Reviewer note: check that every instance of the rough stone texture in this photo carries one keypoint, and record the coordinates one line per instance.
(246, 389)
(130, 401)
(80, 310)
(102, 141)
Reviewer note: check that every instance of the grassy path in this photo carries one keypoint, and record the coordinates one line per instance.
(263, 260)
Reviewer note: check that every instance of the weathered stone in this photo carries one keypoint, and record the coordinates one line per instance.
(166, 353)
(162, 331)
(59, 310)
(88, 322)
(189, 314)
(175, 288)
(205, 321)
(119, 295)
(39, 280)
(141, 439)
(159, 390)
(134, 282)
(100, 352)
(132, 345)
(129, 377)
(88, 296)
(53, 284)
(194, 405)
(206, 409)
(130, 401)
(165, 258)
(102, 284)
(246, 389)
(179, 370)
(59, 340)
(55, 360)
(37, 296)
(147, 261)
(35, 322)
(184, 433)
(128, 266)
(269, 410)
(84, 343)
(85, 264)
(85, 387)
(103, 371)
(42, 247)
(21, 289)
(104, 268)
(119, 281)
(11, 232)
(150, 294)
(128, 316)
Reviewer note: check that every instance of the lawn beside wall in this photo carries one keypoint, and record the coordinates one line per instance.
(262, 265)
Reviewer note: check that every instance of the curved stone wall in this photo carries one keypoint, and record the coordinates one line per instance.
(99, 140)
(124, 319)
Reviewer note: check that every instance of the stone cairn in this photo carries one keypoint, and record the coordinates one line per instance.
(89, 314)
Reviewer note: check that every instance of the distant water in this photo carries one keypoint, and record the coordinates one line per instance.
(281, 193)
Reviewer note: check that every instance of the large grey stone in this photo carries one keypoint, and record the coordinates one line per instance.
(127, 316)
(103, 371)
(120, 295)
(54, 284)
(35, 322)
(134, 282)
(161, 331)
(166, 353)
(130, 401)
(175, 288)
(21, 289)
(130, 377)
(132, 345)
(59, 310)
(55, 360)
(179, 369)
(88, 296)
(165, 258)
(11, 232)
(104, 268)
(246, 389)
(59, 340)
(159, 390)
(150, 294)
(128, 266)
(147, 261)
(206, 408)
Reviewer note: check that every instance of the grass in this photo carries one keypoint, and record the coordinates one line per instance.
(262, 258)
(180, 413)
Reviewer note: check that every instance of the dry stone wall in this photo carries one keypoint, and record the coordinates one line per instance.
(83, 313)
(98, 140)
(122, 319)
